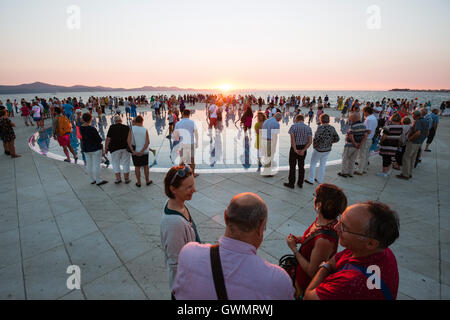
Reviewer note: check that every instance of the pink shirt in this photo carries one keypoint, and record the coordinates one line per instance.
(247, 276)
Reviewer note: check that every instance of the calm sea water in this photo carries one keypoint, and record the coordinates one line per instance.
(435, 98)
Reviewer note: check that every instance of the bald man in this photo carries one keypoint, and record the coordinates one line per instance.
(367, 268)
(245, 274)
(356, 137)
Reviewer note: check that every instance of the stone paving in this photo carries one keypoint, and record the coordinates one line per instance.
(51, 217)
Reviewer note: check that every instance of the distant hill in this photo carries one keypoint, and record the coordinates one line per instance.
(40, 87)
(421, 90)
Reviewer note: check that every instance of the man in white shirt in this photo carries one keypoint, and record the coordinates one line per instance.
(377, 109)
(371, 124)
(212, 115)
(186, 132)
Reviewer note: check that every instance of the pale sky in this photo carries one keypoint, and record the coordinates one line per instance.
(283, 44)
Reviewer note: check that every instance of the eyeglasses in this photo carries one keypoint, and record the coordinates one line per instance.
(343, 228)
(183, 172)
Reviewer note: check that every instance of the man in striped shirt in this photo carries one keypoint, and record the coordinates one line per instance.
(301, 139)
(356, 137)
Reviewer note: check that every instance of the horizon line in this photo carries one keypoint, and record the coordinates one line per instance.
(218, 89)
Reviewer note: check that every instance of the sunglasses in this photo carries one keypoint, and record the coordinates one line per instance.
(183, 172)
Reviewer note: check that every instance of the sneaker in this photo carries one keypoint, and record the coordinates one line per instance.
(427, 150)
(308, 182)
(382, 174)
(402, 177)
(67, 160)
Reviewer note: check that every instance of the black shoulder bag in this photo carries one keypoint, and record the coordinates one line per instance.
(216, 267)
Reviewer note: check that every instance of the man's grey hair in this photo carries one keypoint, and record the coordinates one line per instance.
(246, 214)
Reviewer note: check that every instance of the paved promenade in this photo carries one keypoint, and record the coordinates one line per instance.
(51, 217)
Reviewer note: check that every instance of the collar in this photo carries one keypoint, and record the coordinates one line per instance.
(174, 212)
(236, 246)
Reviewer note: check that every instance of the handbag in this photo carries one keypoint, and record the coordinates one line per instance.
(289, 262)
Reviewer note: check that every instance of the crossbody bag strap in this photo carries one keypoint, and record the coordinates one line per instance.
(321, 231)
(384, 288)
(216, 266)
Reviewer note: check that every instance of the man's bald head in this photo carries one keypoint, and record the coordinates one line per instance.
(354, 116)
(246, 211)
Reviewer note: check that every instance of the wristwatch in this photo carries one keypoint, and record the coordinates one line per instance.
(326, 266)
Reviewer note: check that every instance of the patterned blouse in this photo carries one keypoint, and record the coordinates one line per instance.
(324, 138)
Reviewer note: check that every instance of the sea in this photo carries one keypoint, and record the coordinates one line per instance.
(435, 98)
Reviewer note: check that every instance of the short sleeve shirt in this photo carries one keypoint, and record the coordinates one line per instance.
(186, 128)
(301, 133)
(350, 284)
(118, 133)
(213, 111)
(422, 125)
(270, 128)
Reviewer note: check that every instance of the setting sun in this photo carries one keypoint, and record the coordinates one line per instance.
(225, 87)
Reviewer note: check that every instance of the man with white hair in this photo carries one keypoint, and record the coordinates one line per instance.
(116, 143)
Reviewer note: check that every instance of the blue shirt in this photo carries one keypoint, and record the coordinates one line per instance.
(268, 126)
(68, 108)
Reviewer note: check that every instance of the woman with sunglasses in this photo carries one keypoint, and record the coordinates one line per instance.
(177, 226)
(320, 241)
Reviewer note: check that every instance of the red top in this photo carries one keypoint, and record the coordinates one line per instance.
(352, 284)
(301, 277)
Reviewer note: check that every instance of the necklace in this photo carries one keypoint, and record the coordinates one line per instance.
(325, 225)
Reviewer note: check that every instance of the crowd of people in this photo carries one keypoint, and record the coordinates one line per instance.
(232, 269)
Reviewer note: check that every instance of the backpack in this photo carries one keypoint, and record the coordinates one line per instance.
(64, 126)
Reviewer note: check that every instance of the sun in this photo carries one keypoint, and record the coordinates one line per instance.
(225, 87)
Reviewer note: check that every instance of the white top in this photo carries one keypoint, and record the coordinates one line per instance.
(377, 111)
(371, 124)
(185, 128)
(139, 137)
(36, 111)
(213, 111)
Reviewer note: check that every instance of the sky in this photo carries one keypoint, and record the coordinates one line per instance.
(242, 44)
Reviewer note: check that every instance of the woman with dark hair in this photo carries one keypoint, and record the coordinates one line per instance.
(320, 241)
(7, 134)
(138, 142)
(247, 118)
(91, 145)
(177, 226)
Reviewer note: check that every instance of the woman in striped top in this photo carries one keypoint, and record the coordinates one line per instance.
(390, 142)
